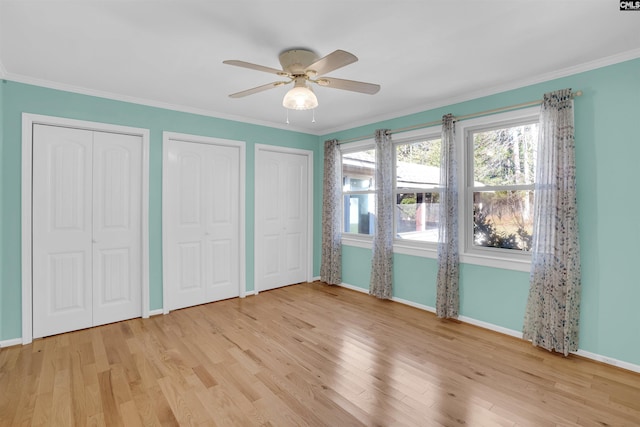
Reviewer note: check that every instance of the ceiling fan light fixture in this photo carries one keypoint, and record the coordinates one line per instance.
(300, 97)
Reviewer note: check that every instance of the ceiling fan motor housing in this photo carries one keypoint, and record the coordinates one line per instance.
(296, 61)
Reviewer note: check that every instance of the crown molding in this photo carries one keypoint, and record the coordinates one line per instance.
(516, 84)
(142, 101)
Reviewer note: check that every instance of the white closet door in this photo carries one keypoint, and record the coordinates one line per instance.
(201, 222)
(117, 258)
(87, 235)
(185, 227)
(222, 235)
(295, 216)
(281, 218)
(62, 230)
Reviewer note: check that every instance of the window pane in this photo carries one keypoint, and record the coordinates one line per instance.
(503, 219)
(417, 216)
(418, 164)
(358, 170)
(359, 213)
(505, 156)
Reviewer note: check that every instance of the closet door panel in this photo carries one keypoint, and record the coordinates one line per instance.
(222, 224)
(62, 193)
(269, 239)
(294, 216)
(117, 185)
(186, 228)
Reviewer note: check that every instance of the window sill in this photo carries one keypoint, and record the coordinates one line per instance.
(485, 260)
(419, 250)
(366, 242)
(358, 241)
(506, 263)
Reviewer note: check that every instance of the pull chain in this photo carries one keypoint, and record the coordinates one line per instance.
(313, 117)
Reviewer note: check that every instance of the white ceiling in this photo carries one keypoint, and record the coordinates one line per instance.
(424, 53)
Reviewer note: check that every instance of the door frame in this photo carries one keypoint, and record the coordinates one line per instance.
(28, 121)
(196, 139)
(309, 155)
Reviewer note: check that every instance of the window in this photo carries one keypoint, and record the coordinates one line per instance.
(496, 157)
(358, 189)
(501, 160)
(416, 192)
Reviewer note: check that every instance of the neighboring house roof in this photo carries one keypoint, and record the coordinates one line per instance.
(362, 164)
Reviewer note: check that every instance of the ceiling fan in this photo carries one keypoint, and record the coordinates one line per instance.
(300, 66)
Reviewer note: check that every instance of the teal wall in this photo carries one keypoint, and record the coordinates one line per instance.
(608, 158)
(18, 98)
(608, 161)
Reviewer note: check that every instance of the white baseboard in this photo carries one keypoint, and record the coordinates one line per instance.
(156, 312)
(414, 304)
(400, 300)
(354, 288)
(517, 334)
(11, 342)
(248, 294)
(490, 326)
(608, 360)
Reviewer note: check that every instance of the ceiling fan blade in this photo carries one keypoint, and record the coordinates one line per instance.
(352, 85)
(332, 61)
(257, 89)
(251, 66)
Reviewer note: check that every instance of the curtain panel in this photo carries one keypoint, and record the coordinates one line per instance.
(382, 256)
(447, 292)
(553, 306)
(331, 264)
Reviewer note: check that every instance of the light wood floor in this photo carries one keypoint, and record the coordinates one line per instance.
(307, 354)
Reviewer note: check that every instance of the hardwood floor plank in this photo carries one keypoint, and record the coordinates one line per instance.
(162, 409)
(225, 410)
(307, 354)
(93, 398)
(110, 408)
(99, 352)
(130, 414)
(96, 420)
(62, 403)
(77, 389)
(42, 412)
(204, 376)
(145, 408)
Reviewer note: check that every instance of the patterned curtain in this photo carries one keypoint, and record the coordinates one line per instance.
(553, 307)
(382, 260)
(331, 266)
(447, 297)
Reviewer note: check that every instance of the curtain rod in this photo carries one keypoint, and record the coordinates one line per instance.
(458, 118)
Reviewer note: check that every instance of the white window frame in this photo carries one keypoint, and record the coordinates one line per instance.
(491, 257)
(413, 247)
(355, 239)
